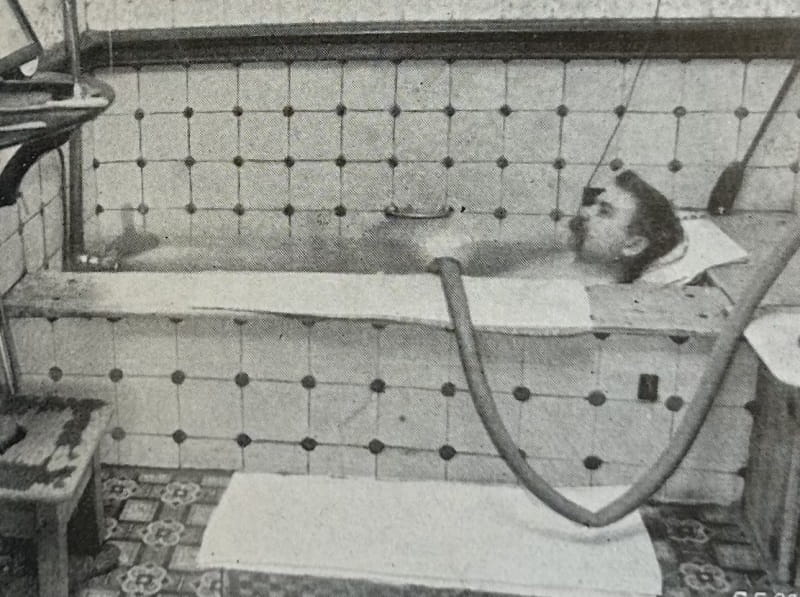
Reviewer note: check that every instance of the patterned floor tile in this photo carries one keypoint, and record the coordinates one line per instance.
(157, 518)
(138, 510)
(736, 556)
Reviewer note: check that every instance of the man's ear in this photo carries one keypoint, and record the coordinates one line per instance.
(634, 245)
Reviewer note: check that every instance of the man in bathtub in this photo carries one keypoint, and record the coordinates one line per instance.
(625, 233)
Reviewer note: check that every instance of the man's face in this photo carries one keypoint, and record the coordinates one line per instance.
(601, 230)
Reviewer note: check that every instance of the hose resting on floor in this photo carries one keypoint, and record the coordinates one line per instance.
(449, 271)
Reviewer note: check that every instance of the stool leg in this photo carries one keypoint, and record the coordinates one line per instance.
(87, 527)
(51, 545)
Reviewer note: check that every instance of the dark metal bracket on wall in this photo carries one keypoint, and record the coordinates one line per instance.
(564, 39)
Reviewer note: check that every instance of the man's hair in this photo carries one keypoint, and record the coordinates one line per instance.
(653, 219)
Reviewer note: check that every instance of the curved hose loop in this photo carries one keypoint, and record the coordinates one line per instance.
(450, 273)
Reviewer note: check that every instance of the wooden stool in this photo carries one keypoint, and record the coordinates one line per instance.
(50, 475)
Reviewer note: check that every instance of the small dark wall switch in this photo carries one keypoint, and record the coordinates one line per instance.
(648, 387)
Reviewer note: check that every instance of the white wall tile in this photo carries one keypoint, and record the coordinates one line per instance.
(164, 137)
(218, 224)
(415, 356)
(53, 226)
(343, 414)
(84, 346)
(478, 84)
(367, 186)
(585, 135)
(33, 244)
(344, 352)
(315, 85)
(421, 136)
(631, 432)
(707, 139)
(556, 427)
(148, 450)
(211, 454)
(263, 135)
(341, 461)
(213, 136)
(658, 87)
(147, 405)
(263, 185)
(535, 84)
(763, 79)
(275, 348)
(11, 262)
(532, 137)
(117, 138)
(210, 408)
(625, 357)
(145, 346)
(368, 85)
(647, 138)
(214, 184)
(560, 472)
(561, 366)
(314, 185)
(120, 185)
(209, 348)
(475, 187)
(713, 85)
(315, 136)
(693, 185)
(593, 85)
(275, 458)
(212, 87)
(474, 468)
(166, 185)
(476, 136)
(275, 411)
(397, 463)
(423, 85)
(34, 343)
(263, 86)
(367, 135)
(778, 146)
(412, 418)
(163, 88)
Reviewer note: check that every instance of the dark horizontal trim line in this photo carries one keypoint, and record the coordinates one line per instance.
(551, 38)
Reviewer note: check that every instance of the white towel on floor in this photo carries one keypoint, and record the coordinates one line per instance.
(433, 533)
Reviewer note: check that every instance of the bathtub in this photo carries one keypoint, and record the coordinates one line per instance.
(334, 355)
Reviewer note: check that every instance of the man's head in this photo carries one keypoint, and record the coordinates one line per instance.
(627, 226)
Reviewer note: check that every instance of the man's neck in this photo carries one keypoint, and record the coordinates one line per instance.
(594, 272)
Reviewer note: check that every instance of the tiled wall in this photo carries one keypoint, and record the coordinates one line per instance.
(135, 14)
(46, 18)
(224, 151)
(31, 231)
(348, 398)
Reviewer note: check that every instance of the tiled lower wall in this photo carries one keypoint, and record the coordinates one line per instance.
(389, 401)
(32, 230)
(223, 151)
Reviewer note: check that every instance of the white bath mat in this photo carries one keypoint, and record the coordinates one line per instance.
(433, 533)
